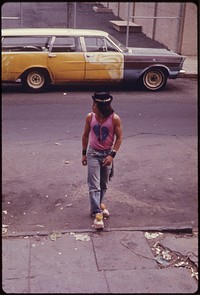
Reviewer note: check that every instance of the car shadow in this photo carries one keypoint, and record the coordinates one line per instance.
(78, 87)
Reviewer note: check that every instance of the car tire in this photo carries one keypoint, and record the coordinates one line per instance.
(35, 80)
(154, 79)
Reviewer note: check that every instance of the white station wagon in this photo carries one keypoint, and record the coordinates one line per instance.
(42, 56)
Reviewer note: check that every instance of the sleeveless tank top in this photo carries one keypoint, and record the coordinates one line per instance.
(101, 134)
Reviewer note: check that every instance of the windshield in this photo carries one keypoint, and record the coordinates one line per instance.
(119, 44)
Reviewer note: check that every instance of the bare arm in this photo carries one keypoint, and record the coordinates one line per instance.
(118, 133)
(85, 137)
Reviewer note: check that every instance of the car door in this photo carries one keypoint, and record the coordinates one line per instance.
(103, 61)
(66, 60)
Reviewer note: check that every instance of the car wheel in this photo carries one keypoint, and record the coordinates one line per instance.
(35, 80)
(154, 79)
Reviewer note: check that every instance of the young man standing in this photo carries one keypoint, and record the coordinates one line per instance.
(101, 140)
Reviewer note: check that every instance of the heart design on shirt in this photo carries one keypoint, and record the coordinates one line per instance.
(96, 130)
(101, 133)
(104, 133)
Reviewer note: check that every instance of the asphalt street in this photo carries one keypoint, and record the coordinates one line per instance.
(42, 134)
(155, 182)
(150, 241)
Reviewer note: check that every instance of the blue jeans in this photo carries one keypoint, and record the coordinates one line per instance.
(98, 177)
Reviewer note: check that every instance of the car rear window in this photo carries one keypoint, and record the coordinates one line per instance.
(25, 43)
(66, 44)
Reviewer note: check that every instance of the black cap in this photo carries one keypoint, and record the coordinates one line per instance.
(102, 97)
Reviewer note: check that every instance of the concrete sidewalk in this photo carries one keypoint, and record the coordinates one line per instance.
(99, 262)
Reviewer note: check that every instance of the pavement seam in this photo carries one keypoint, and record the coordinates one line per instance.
(29, 268)
(137, 254)
(95, 257)
(105, 277)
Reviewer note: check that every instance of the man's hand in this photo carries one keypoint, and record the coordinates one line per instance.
(84, 160)
(107, 161)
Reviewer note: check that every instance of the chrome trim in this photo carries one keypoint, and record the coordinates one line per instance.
(181, 74)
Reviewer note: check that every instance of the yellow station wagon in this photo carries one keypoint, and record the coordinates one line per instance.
(39, 57)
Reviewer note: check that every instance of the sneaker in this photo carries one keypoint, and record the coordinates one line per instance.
(98, 222)
(105, 212)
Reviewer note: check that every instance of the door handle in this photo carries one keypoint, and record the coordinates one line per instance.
(52, 55)
(90, 55)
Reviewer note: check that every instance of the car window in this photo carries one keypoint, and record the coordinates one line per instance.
(66, 44)
(98, 44)
(25, 43)
(118, 43)
(110, 46)
(95, 44)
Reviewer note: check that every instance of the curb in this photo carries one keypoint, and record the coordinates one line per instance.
(170, 229)
(190, 76)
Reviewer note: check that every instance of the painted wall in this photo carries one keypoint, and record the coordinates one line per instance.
(190, 32)
(178, 35)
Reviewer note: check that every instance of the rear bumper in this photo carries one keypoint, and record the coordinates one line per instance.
(181, 74)
(176, 74)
